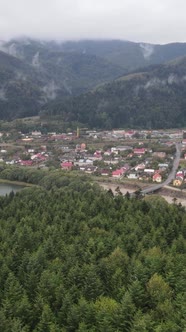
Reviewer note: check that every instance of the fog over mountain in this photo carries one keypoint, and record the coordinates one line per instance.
(38, 75)
(148, 21)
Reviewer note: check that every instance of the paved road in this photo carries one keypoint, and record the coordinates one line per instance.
(171, 175)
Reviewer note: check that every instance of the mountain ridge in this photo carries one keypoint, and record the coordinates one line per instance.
(37, 75)
(152, 99)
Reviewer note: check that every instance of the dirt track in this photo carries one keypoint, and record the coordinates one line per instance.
(169, 195)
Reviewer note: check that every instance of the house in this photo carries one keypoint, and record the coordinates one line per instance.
(178, 182)
(123, 148)
(11, 162)
(114, 150)
(149, 170)
(180, 174)
(83, 162)
(140, 167)
(111, 162)
(163, 166)
(118, 173)
(39, 157)
(90, 169)
(139, 152)
(36, 133)
(133, 176)
(67, 165)
(26, 162)
(157, 177)
(129, 134)
(97, 155)
(107, 153)
(169, 143)
(105, 172)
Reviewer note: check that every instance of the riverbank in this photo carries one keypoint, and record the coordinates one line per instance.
(168, 194)
(17, 183)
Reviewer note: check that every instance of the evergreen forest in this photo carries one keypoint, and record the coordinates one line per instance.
(74, 257)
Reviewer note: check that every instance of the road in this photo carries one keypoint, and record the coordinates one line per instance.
(171, 175)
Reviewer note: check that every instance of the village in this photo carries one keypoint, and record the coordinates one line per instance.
(132, 155)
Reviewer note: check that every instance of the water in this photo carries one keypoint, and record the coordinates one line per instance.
(6, 188)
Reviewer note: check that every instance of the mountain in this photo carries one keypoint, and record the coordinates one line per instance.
(36, 73)
(20, 92)
(152, 98)
(32, 73)
(126, 54)
(129, 55)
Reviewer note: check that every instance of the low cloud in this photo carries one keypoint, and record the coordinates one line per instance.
(147, 21)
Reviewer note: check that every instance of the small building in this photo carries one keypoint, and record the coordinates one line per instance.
(105, 172)
(133, 176)
(180, 174)
(123, 148)
(67, 165)
(90, 169)
(97, 155)
(36, 133)
(149, 170)
(129, 134)
(140, 167)
(107, 153)
(157, 178)
(163, 166)
(139, 152)
(178, 182)
(26, 162)
(118, 173)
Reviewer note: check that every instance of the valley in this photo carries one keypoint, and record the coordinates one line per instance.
(129, 159)
(89, 129)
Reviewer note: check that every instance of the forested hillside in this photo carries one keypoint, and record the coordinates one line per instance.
(152, 98)
(75, 258)
(29, 80)
(127, 54)
(38, 75)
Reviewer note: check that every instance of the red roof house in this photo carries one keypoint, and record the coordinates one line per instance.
(67, 165)
(157, 177)
(139, 152)
(118, 173)
(26, 162)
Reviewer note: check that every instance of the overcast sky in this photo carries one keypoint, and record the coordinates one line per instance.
(153, 21)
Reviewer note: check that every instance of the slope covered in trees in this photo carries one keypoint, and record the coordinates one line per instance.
(127, 54)
(28, 82)
(152, 98)
(75, 258)
(34, 72)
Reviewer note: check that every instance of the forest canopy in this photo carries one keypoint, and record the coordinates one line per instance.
(76, 258)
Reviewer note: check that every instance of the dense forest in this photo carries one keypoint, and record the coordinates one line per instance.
(151, 98)
(36, 77)
(26, 86)
(76, 258)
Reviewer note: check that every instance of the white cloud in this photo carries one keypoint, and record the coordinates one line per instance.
(156, 21)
